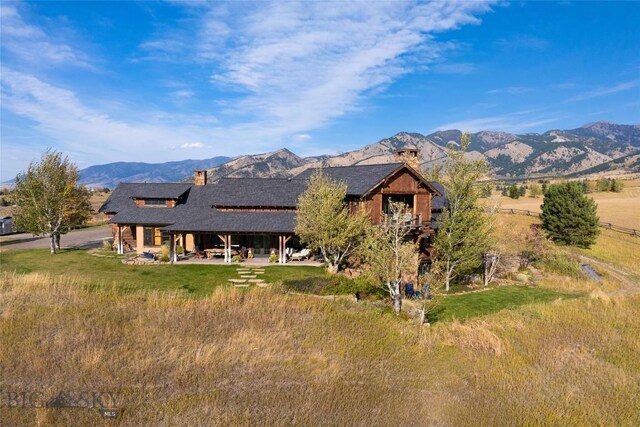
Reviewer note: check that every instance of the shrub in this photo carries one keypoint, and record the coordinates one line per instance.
(236, 258)
(179, 250)
(106, 246)
(273, 258)
(164, 253)
(559, 262)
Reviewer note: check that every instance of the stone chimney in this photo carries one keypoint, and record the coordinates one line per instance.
(200, 177)
(409, 155)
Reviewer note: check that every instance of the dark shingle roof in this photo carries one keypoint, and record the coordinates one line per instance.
(159, 190)
(438, 202)
(121, 197)
(146, 216)
(255, 192)
(359, 179)
(235, 221)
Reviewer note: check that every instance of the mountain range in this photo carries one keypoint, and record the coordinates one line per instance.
(595, 147)
(111, 174)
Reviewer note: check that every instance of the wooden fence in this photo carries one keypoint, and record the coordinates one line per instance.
(607, 225)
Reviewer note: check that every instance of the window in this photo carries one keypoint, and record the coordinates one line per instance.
(154, 237)
(155, 202)
(407, 199)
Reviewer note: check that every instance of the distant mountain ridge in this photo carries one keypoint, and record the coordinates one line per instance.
(111, 174)
(598, 146)
(555, 152)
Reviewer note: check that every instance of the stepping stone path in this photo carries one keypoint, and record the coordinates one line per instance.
(248, 276)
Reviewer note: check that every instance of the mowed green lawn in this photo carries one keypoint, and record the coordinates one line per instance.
(474, 304)
(199, 280)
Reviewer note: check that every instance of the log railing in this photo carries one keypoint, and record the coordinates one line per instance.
(607, 225)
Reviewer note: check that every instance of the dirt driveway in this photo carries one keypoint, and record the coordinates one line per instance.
(84, 239)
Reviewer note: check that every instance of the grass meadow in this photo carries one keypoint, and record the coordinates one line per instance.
(621, 209)
(566, 352)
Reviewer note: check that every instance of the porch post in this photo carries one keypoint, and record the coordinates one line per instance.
(172, 248)
(120, 244)
(285, 239)
(279, 249)
(228, 247)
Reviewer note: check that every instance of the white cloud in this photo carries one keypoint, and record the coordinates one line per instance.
(183, 93)
(90, 135)
(193, 145)
(605, 91)
(293, 68)
(301, 137)
(513, 90)
(34, 45)
(300, 65)
(522, 41)
(512, 122)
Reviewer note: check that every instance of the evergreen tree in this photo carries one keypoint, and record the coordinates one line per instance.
(522, 191)
(568, 216)
(616, 185)
(514, 193)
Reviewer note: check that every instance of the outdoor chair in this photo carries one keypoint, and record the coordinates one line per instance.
(197, 253)
(299, 256)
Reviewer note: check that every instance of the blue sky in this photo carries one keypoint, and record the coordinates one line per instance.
(159, 81)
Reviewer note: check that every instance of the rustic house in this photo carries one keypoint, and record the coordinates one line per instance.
(257, 214)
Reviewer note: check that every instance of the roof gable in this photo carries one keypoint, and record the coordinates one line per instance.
(362, 179)
(359, 179)
(418, 176)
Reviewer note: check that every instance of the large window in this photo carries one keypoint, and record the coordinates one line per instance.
(154, 237)
(407, 199)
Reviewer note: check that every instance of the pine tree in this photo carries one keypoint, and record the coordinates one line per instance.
(514, 193)
(568, 216)
(616, 186)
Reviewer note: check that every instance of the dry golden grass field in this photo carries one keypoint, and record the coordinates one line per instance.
(618, 208)
(267, 357)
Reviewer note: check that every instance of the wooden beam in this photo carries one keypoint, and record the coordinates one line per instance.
(285, 239)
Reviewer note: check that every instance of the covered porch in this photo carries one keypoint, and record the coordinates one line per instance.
(214, 247)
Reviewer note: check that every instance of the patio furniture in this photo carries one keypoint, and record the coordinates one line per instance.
(219, 252)
(299, 256)
(197, 253)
